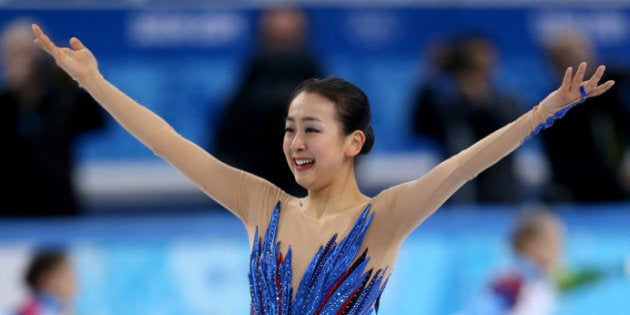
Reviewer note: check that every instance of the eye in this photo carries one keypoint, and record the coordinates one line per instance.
(309, 130)
(288, 129)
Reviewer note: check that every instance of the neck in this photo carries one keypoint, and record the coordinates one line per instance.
(336, 197)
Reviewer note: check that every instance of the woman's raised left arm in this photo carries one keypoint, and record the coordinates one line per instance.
(414, 201)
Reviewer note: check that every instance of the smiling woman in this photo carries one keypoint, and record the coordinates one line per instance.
(332, 251)
(327, 127)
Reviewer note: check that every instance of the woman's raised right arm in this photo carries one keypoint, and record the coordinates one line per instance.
(81, 65)
(223, 183)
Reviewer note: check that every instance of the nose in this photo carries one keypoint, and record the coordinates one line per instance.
(297, 143)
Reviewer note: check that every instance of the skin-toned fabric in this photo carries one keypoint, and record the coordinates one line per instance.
(397, 210)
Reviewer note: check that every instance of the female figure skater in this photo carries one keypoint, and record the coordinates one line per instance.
(331, 251)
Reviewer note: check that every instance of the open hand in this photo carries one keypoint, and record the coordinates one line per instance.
(77, 61)
(569, 91)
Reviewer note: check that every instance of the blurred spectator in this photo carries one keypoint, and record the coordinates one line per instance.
(252, 120)
(458, 104)
(51, 282)
(526, 286)
(587, 148)
(43, 113)
(534, 280)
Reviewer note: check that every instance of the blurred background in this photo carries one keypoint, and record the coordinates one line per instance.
(439, 74)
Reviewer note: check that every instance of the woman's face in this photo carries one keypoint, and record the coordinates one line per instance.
(314, 145)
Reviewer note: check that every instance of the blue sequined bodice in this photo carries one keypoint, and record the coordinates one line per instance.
(335, 281)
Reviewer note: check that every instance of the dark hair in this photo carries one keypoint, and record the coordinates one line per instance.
(43, 262)
(352, 106)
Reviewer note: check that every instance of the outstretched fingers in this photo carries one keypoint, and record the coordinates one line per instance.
(571, 82)
(42, 41)
(591, 85)
(599, 73)
(76, 60)
(598, 90)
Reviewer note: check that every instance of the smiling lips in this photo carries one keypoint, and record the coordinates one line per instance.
(303, 164)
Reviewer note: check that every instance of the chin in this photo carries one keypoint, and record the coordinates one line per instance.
(304, 183)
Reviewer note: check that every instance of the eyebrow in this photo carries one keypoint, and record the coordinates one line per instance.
(306, 118)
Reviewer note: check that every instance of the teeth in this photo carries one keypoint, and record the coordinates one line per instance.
(303, 162)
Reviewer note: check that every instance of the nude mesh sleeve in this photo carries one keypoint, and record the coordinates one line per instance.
(412, 202)
(232, 188)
